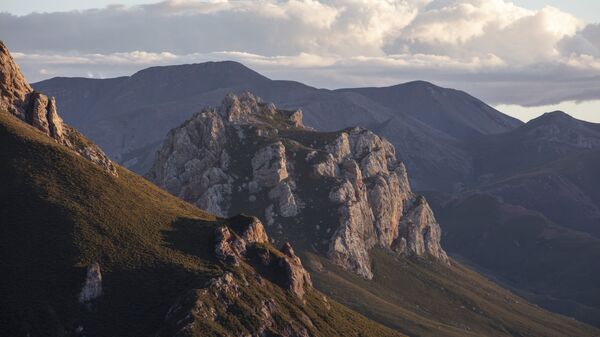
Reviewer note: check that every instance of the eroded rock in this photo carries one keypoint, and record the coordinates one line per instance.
(246, 239)
(92, 286)
(300, 181)
(38, 110)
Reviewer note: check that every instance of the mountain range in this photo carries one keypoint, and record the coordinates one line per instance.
(456, 149)
(129, 117)
(90, 248)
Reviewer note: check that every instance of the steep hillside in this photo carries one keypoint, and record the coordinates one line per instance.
(424, 299)
(344, 201)
(38, 110)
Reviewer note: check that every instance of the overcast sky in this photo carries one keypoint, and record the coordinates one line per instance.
(525, 56)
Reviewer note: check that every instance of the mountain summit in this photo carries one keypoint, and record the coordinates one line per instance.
(249, 156)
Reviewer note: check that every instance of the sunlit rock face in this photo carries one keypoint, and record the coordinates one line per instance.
(38, 110)
(337, 193)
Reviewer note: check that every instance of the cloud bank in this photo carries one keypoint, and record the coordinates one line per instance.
(492, 48)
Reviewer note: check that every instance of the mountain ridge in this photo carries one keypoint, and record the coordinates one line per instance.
(326, 110)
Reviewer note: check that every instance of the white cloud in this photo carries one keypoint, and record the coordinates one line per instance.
(495, 49)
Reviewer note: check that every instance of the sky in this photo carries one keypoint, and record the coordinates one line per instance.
(524, 57)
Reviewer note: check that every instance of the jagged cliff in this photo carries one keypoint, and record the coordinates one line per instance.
(243, 245)
(339, 193)
(38, 110)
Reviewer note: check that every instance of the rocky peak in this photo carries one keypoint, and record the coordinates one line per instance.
(337, 193)
(247, 109)
(245, 240)
(14, 86)
(38, 110)
(554, 128)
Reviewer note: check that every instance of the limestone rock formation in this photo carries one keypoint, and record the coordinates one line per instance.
(242, 245)
(246, 240)
(92, 286)
(210, 306)
(38, 110)
(297, 277)
(337, 193)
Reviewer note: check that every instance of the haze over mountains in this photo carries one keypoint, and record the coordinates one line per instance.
(130, 116)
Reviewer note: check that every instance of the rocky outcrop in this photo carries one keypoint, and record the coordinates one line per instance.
(339, 193)
(194, 162)
(297, 278)
(231, 247)
(210, 307)
(38, 110)
(253, 272)
(92, 286)
(245, 239)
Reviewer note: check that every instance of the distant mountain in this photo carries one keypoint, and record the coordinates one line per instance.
(344, 201)
(548, 165)
(453, 112)
(534, 196)
(547, 138)
(130, 116)
(543, 261)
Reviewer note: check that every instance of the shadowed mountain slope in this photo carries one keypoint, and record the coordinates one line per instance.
(451, 111)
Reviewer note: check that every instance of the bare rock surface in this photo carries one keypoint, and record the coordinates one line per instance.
(337, 193)
(38, 110)
(242, 245)
(246, 239)
(92, 286)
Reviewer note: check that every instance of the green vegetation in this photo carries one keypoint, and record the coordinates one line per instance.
(59, 213)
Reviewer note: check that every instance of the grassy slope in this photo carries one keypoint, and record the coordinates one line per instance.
(423, 299)
(59, 213)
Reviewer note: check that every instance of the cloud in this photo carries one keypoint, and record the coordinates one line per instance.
(493, 48)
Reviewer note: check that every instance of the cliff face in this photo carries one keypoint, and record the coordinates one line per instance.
(337, 193)
(38, 110)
